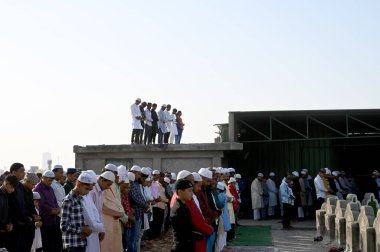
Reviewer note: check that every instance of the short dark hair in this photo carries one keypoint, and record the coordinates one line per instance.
(162, 174)
(12, 180)
(15, 167)
(154, 104)
(149, 104)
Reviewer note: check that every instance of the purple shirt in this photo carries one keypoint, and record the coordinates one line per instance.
(47, 203)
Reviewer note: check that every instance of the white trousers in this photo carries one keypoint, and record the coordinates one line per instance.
(256, 214)
(300, 213)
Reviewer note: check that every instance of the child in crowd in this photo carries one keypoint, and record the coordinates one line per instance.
(184, 237)
(37, 242)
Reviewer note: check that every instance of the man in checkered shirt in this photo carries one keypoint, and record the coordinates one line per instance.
(74, 230)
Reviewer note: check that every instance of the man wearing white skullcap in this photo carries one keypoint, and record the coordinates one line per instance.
(136, 122)
(104, 182)
(208, 211)
(92, 217)
(112, 211)
(257, 196)
(272, 191)
(139, 204)
(72, 220)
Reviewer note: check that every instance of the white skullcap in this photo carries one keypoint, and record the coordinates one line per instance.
(335, 173)
(36, 196)
(295, 174)
(218, 170)
(260, 174)
(272, 174)
(303, 172)
(57, 166)
(220, 186)
(131, 176)
(163, 105)
(174, 176)
(306, 170)
(138, 99)
(48, 174)
(237, 176)
(85, 177)
(204, 172)
(146, 171)
(232, 180)
(108, 175)
(111, 167)
(197, 177)
(136, 168)
(121, 170)
(231, 170)
(225, 170)
(167, 180)
(93, 175)
(156, 172)
(328, 171)
(124, 179)
(183, 174)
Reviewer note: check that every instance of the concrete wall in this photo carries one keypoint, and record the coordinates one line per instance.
(174, 158)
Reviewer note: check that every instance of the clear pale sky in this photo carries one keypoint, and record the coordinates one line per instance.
(69, 70)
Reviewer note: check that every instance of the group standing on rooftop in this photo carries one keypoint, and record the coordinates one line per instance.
(147, 123)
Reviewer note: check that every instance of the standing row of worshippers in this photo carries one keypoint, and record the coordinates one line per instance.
(118, 210)
(298, 195)
(147, 123)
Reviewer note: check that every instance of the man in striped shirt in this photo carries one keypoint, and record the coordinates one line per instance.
(74, 230)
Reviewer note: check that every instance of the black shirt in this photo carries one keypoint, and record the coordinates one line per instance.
(184, 240)
(4, 218)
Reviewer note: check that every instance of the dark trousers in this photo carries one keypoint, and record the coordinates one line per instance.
(166, 137)
(287, 215)
(4, 240)
(319, 203)
(21, 238)
(141, 134)
(148, 134)
(78, 249)
(160, 136)
(158, 220)
(135, 139)
(51, 238)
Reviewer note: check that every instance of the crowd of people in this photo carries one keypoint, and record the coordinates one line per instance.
(147, 123)
(298, 195)
(117, 210)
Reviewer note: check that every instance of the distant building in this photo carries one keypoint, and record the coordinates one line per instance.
(46, 161)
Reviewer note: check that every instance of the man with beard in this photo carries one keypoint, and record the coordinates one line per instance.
(257, 196)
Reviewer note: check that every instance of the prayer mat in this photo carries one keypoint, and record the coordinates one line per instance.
(252, 236)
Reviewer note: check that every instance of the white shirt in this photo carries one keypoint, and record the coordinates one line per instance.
(135, 111)
(94, 221)
(148, 117)
(59, 192)
(320, 188)
(97, 197)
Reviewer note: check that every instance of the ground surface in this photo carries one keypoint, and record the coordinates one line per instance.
(298, 240)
